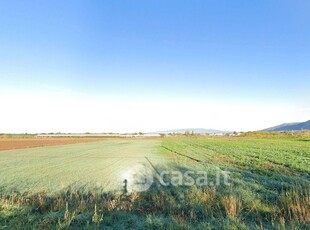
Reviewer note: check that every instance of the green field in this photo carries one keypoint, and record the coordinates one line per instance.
(95, 165)
(82, 185)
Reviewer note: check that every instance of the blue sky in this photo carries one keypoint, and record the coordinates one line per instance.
(238, 53)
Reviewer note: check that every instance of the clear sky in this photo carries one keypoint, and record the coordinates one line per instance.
(133, 65)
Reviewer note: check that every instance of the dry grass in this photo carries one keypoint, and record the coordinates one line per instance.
(232, 205)
(295, 206)
(195, 205)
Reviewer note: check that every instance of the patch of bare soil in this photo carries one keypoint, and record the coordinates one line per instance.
(20, 143)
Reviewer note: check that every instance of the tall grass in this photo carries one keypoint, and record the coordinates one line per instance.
(232, 204)
(186, 207)
(294, 206)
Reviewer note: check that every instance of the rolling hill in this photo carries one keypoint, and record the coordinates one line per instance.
(296, 126)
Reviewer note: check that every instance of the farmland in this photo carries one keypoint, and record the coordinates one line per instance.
(82, 184)
(94, 164)
(21, 142)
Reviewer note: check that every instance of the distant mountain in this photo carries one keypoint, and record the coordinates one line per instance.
(296, 126)
(195, 130)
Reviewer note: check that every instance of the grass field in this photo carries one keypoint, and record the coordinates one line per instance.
(82, 185)
(95, 165)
